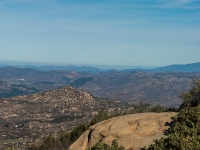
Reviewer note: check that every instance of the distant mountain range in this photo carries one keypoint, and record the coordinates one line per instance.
(133, 87)
(46, 67)
(192, 67)
(161, 85)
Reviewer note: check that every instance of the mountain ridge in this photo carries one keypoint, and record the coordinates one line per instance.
(152, 87)
(190, 67)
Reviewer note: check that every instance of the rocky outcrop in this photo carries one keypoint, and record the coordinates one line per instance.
(132, 131)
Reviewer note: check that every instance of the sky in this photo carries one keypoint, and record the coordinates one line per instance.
(101, 32)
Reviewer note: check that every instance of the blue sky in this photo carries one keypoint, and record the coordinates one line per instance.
(101, 32)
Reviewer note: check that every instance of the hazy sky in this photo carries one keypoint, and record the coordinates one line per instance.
(102, 32)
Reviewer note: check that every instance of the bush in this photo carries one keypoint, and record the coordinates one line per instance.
(157, 108)
(141, 108)
(103, 146)
(102, 115)
(76, 133)
(192, 98)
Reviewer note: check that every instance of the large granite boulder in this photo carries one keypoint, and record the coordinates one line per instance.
(132, 131)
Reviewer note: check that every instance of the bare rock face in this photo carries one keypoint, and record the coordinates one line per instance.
(132, 131)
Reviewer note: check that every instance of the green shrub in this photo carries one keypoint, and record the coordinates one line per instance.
(141, 108)
(157, 108)
(103, 146)
(191, 98)
(76, 133)
(102, 115)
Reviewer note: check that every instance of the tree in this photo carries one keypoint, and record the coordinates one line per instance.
(104, 146)
(102, 115)
(191, 98)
